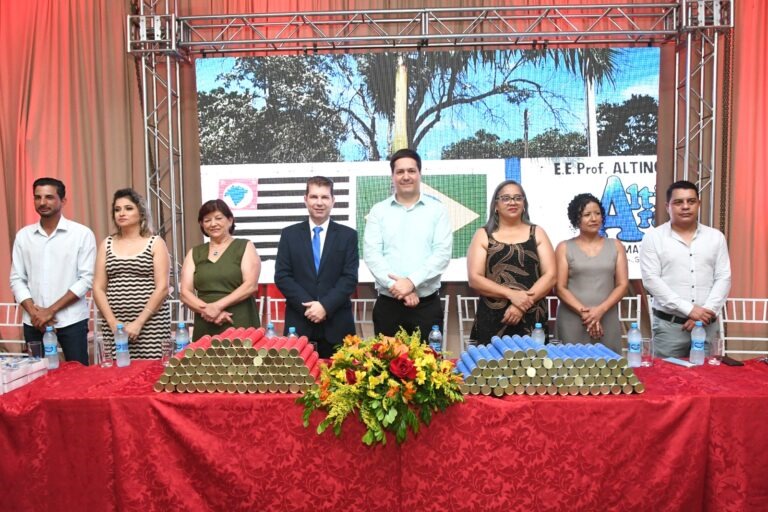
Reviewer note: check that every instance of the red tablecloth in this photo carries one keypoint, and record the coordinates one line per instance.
(101, 439)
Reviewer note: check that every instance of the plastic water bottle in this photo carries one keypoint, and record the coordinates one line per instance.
(538, 335)
(121, 347)
(634, 346)
(51, 345)
(182, 337)
(698, 340)
(292, 334)
(270, 331)
(435, 339)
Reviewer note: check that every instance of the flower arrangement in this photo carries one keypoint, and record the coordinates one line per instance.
(394, 383)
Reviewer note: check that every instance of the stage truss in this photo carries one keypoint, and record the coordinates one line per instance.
(162, 40)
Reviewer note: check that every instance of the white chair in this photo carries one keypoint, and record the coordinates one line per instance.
(11, 322)
(11, 326)
(752, 314)
(630, 309)
(260, 306)
(275, 312)
(362, 311)
(467, 309)
(446, 306)
(181, 313)
(553, 302)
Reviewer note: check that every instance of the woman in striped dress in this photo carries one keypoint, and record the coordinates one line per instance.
(130, 284)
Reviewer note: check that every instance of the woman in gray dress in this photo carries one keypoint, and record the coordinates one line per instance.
(592, 277)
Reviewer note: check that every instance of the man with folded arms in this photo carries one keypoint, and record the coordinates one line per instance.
(686, 267)
(407, 246)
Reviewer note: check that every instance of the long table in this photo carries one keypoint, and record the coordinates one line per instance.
(101, 439)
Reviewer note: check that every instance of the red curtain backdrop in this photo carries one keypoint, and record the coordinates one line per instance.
(68, 109)
(748, 226)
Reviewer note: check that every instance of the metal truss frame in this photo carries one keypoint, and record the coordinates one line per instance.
(161, 112)
(705, 24)
(404, 29)
(161, 40)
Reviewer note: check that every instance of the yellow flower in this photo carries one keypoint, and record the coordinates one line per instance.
(440, 379)
(421, 376)
(360, 375)
(374, 381)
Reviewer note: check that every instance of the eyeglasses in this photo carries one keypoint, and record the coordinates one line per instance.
(510, 199)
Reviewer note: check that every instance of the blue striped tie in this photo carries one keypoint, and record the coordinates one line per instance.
(316, 246)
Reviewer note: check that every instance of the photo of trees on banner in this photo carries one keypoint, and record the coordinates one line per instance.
(560, 121)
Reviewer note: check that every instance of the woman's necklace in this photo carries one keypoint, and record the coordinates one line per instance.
(220, 247)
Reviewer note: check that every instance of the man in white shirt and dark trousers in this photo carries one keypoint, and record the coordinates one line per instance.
(407, 247)
(686, 267)
(52, 270)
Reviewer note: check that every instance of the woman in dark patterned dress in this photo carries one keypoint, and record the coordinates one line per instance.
(511, 264)
(130, 284)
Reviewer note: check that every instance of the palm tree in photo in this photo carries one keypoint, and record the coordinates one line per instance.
(436, 82)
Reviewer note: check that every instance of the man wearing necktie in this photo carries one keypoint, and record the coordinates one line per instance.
(316, 271)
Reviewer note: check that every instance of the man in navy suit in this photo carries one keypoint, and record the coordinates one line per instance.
(316, 270)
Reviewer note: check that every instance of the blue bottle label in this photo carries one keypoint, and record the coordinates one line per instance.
(634, 346)
(698, 345)
(121, 347)
(50, 350)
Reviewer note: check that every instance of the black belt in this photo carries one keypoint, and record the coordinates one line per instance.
(669, 318)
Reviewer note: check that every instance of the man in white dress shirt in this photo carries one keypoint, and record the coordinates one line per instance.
(52, 270)
(686, 267)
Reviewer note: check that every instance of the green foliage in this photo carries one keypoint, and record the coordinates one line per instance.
(550, 143)
(286, 100)
(628, 128)
(440, 81)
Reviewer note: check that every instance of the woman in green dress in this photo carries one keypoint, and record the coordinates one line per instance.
(219, 278)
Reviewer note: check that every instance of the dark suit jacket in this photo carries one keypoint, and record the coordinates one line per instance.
(332, 285)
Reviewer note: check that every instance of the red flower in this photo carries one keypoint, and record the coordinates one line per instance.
(403, 367)
(351, 377)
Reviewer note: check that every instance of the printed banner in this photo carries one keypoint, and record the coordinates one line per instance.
(626, 186)
(265, 198)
